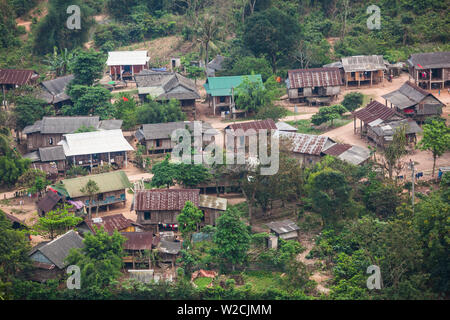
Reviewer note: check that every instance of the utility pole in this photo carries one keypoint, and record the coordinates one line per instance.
(413, 178)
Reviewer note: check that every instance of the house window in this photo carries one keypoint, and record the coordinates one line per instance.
(158, 143)
(50, 141)
(300, 91)
(352, 74)
(147, 215)
(222, 99)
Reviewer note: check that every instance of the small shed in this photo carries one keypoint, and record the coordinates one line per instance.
(115, 222)
(135, 245)
(169, 250)
(284, 229)
(363, 69)
(54, 91)
(125, 64)
(212, 208)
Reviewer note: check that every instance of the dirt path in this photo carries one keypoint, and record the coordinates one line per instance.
(320, 277)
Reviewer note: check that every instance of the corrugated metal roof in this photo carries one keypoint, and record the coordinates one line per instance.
(165, 199)
(170, 247)
(109, 223)
(355, 155)
(63, 125)
(221, 86)
(94, 142)
(51, 154)
(337, 149)
(283, 226)
(138, 240)
(109, 181)
(267, 124)
(49, 201)
(53, 91)
(363, 63)
(373, 111)
(430, 60)
(16, 76)
(407, 95)
(58, 249)
(389, 128)
(127, 58)
(213, 202)
(318, 77)
(283, 126)
(153, 131)
(306, 143)
(33, 156)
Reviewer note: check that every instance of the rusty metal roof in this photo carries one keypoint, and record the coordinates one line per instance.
(306, 143)
(363, 63)
(15, 76)
(48, 202)
(165, 199)
(267, 124)
(138, 240)
(213, 202)
(374, 111)
(283, 226)
(317, 77)
(109, 223)
(337, 149)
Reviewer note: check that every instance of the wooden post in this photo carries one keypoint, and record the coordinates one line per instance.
(354, 125)
(91, 161)
(109, 157)
(371, 76)
(430, 80)
(126, 160)
(214, 105)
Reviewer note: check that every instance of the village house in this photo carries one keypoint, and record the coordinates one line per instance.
(164, 86)
(319, 85)
(50, 130)
(54, 91)
(126, 64)
(212, 207)
(168, 251)
(355, 155)
(17, 224)
(14, 78)
(241, 134)
(136, 246)
(115, 222)
(156, 137)
(112, 189)
(96, 148)
(222, 90)
(430, 70)
(414, 102)
(214, 65)
(285, 229)
(51, 160)
(378, 123)
(158, 209)
(357, 70)
(48, 257)
(52, 201)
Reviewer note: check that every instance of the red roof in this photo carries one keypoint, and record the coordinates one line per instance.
(374, 111)
(337, 149)
(18, 77)
(268, 124)
(165, 199)
(110, 223)
(138, 240)
(317, 77)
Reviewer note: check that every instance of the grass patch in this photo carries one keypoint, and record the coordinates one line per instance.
(305, 126)
(202, 282)
(262, 280)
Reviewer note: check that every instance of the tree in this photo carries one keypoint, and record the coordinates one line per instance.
(436, 138)
(250, 65)
(52, 30)
(11, 168)
(326, 114)
(164, 173)
(34, 180)
(29, 109)
(272, 33)
(100, 261)
(191, 175)
(56, 222)
(8, 29)
(188, 220)
(156, 112)
(395, 151)
(14, 254)
(232, 238)
(59, 62)
(87, 66)
(90, 189)
(272, 112)
(330, 194)
(89, 101)
(207, 32)
(252, 96)
(125, 109)
(353, 100)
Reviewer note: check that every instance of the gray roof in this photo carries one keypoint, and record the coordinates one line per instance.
(337, 64)
(63, 125)
(51, 154)
(388, 128)
(355, 155)
(430, 59)
(164, 130)
(58, 249)
(170, 247)
(166, 85)
(212, 202)
(406, 96)
(283, 226)
(283, 126)
(363, 63)
(33, 156)
(53, 91)
(214, 65)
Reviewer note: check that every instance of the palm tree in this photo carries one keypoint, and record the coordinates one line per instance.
(207, 33)
(90, 189)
